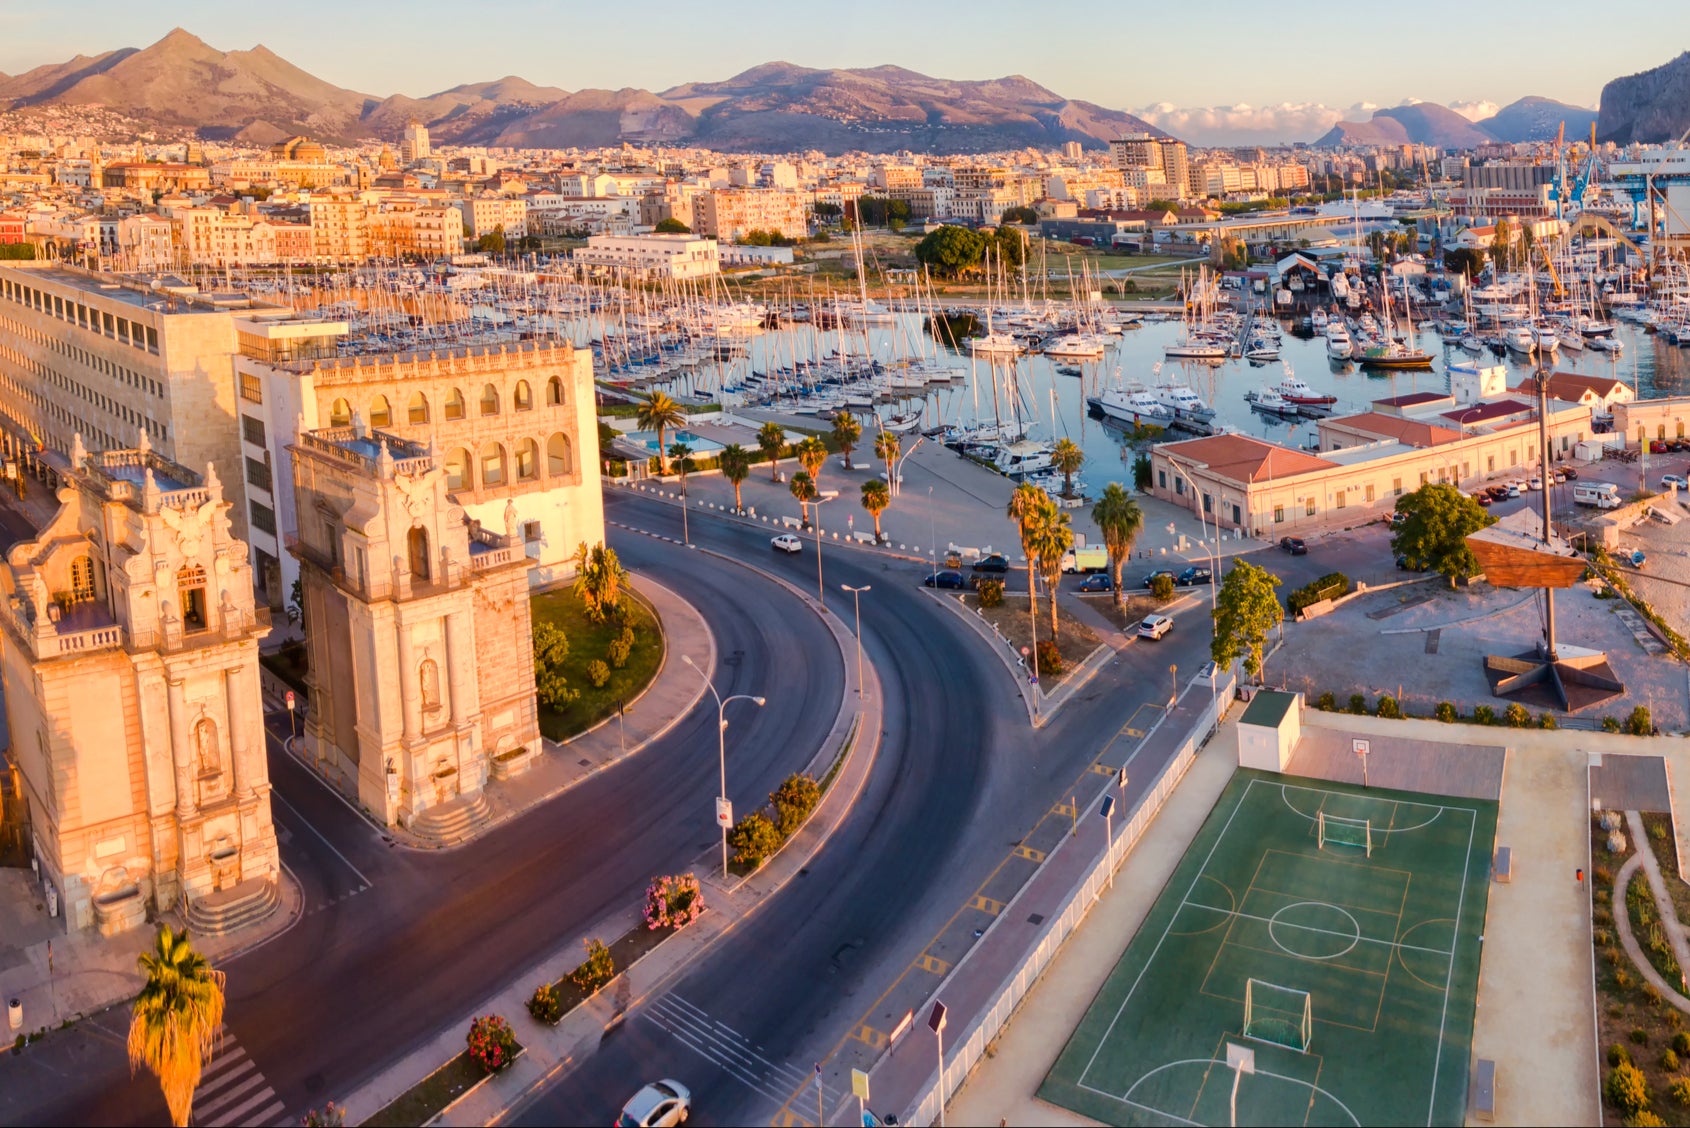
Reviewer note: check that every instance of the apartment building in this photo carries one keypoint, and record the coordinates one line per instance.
(651, 256)
(339, 229)
(726, 214)
(414, 145)
(482, 215)
(155, 176)
(1139, 155)
(417, 228)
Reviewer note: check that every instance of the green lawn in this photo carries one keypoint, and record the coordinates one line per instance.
(589, 641)
(1383, 946)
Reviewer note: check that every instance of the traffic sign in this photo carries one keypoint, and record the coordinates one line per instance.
(290, 700)
(1108, 806)
(936, 1018)
(724, 812)
(859, 1084)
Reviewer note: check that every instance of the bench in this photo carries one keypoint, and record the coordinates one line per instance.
(1502, 869)
(1484, 1090)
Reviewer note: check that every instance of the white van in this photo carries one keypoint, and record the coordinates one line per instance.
(1602, 495)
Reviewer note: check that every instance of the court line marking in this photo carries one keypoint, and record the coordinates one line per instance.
(1127, 1098)
(1449, 975)
(1436, 809)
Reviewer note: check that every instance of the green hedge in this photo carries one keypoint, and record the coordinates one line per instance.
(22, 252)
(1330, 586)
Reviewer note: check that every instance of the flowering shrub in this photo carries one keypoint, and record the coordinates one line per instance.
(674, 901)
(330, 1115)
(753, 838)
(793, 801)
(544, 1006)
(596, 970)
(492, 1045)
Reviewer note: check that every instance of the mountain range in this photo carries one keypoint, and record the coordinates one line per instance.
(181, 84)
(1651, 106)
(1426, 123)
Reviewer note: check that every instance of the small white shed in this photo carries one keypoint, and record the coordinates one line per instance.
(1269, 730)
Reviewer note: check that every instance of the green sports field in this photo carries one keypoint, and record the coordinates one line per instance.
(1378, 948)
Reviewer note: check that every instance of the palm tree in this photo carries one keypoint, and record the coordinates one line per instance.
(175, 1018)
(1067, 458)
(876, 497)
(771, 440)
(735, 462)
(1022, 504)
(657, 412)
(812, 456)
(803, 488)
(886, 448)
(1053, 536)
(846, 432)
(600, 576)
(682, 454)
(1120, 519)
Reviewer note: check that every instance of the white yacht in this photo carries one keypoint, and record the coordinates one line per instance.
(1270, 402)
(1080, 346)
(1183, 402)
(1019, 459)
(1338, 343)
(1132, 404)
(1520, 338)
(995, 344)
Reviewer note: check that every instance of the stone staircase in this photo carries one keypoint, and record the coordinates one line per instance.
(236, 907)
(455, 821)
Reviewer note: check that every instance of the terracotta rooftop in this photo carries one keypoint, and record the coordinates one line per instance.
(1409, 432)
(1572, 386)
(1485, 412)
(1244, 459)
(1413, 399)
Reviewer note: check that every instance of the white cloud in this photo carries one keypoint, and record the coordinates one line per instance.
(1475, 111)
(1244, 124)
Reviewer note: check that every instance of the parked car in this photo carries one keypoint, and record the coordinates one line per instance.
(1155, 626)
(947, 579)
(1498, 493)
(996, 562)
(786, 542)
(661, 1104)
(1569, 473)
(1560, 476)
(1674, 480)
(1096, 583)
(1535, 483)
(1483, 498)
(1657, 446)
(1196, 574)
(1406, 564)
(1397, 518)
(1294, 545)
(1514, 489)
(1151, 578)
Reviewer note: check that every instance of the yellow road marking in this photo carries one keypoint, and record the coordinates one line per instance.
(1136, 733)
(933, 964)
(1103, 769)
(1029, 853)
(986, 904)
(869, 1036)
(1066, 810)
(786, 1118)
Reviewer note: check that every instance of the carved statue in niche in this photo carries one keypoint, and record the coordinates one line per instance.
(207, 754)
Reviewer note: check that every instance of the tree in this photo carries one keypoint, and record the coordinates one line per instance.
(682, 454)
(886, 448)
(175, 1020)
(812, 456)
(1009, 244)
(949, 251)
(803, 487)
(1023, 504)
(1053, 536)
(1067, 458)
(1120, 520)
(1246, 609)
(1024, 216)
(657, 412)
(671, 226)
(1464, 260)
(551, 651)
(846, 431)
(878, 211)
(493, 242)
(1437, 519)
(876, 497)
(735, 462)
(1502, 245)
(771, 440)
(599, 579)
(828, 211)
(1141, 472)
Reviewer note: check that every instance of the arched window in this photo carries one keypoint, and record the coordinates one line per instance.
(493, 465)
(340, 414)
(527, 460)
(206, 752)
(560, 460)
(489, 400)
(190, 590)
(554, 392)
(82, 578)
(381, 415)
(458, 473)
(455, 405)
(418, 411)
(428, 679)
(416, 551)
(524, 397)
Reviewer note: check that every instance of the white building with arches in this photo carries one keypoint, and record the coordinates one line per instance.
(511, 425)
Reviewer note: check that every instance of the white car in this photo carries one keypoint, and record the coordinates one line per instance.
(1674, 480)
(786, 542)
(1155, 626)
(1535, 484)
(662, 1103)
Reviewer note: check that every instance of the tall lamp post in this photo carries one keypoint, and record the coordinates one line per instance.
(857, 598)
(821, 588)
(1214, 552)
(722, 741)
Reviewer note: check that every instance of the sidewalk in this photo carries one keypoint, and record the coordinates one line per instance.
(550, 1051)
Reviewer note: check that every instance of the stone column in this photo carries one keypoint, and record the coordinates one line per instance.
(248, 770)
(460, 664)
(409, 691)
(180, 752)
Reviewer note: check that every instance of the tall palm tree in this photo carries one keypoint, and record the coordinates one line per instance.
(803, 488)
(887, 447)
(657, 412)
(876, 497)
(175, 1018)
(1022, 505)
(1120, 519)
(771, 440)
(812, 456)
(735, 462)
(846, 432)
(1053, 536)
(1067, 458)
(682, 454)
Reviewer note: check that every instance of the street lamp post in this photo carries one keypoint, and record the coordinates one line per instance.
(897, 470)
(1173, 685)
(821, 587)
(932, 548)
(1214, 553)
(722, 740)
(857, 599)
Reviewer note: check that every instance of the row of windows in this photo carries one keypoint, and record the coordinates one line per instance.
(85, 358)
(27, 392)
(417, 407)
(492, 467)
(119, 329)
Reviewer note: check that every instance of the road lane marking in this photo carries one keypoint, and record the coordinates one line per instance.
(932, 963)
(1029, 853)
(277, 795)
(986, 904)
(869, 1036)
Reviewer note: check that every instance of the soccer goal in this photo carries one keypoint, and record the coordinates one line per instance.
(1281, 1015)
(1338, 831)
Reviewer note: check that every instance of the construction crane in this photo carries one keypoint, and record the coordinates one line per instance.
(1560, 291)
(1558, 183)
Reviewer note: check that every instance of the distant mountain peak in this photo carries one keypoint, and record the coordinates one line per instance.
(1652, 105)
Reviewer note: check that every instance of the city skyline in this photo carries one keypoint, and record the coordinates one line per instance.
(1271, 94)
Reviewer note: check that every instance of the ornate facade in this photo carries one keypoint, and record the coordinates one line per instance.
(421, 675)
(129, 643)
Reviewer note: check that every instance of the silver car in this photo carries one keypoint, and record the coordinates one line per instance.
(661, 1104)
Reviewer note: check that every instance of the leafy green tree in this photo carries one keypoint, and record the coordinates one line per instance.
(1027, 217)
(1246, 609)
(793, 801)
(876, 497)
(1067, 459)
(846, 431)
(1464, 260)
(493, 242)
(828, 211)
(950, 251)
(1141, 472)
(1437, 519)
(671, 226)
(175, 1019)
(1120, 520)
(735, 462)
(1162, 206)
(771, 440)
(658, 412)
(756, 237)
(1009, 245)
(878, 211)
(803, 487)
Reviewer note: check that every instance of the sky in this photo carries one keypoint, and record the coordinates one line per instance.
(1238, 73)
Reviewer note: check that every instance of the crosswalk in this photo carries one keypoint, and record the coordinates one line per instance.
(232, 1090)
(731, 1051)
